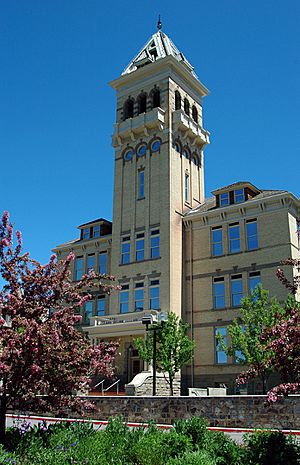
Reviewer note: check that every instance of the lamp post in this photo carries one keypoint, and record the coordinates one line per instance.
(154, 322)
(129, 352)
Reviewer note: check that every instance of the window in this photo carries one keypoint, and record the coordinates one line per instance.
(125, 250)
(88, 310)
(254, 280)
(221, 356)
(155, 146)
(195, 159)
(124, 299)
(224, 199)
(217, 241)
(156, 98)
(142, 103)
(154, 295)
(103, 262)
(177, 147)
(139, 297)
(195, 114)
(236, 290)
(128, 108)
(140, 247)
(239, 196)
(155, 244)
(142, 150)
(86, 233)
(78, 268)
(219, 293)
(251, 235)
(128, 155)
(238, 356)
(90, 263)
(96, 231)
(101, 305)
(186, 154)
(234, 238)
(141, 184)
(177, 100)
(186, 107)
(186, 187)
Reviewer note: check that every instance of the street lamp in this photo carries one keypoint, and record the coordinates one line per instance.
(154, 322)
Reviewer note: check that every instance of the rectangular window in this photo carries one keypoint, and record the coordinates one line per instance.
(155, 244)
(239, 196)
(141, 184)
(140, 247)
(125, 250)
(124, 299)
(236, 290)
(154, 295)
(96, 231)
(234, 238)
(86, 233)
(238, 356)
(219, 293)
(88, 310)
(78, 268)
(101, 306)
(102, 262)
(187, 187)
(217, 241)
(224, 199)
(90, 263)
(139, 297)
(221, 356)
(251, 235)
(254, 280)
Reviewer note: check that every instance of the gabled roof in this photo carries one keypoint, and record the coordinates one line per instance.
(158, 46)
(236, 185)
(99, 220)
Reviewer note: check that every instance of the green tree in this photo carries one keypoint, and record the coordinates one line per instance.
(174, 348)
(246, 345)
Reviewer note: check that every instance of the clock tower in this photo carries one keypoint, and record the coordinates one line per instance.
(159, 143)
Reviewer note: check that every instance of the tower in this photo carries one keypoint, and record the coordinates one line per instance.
(159, 174)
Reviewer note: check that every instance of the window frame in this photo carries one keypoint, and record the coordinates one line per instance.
(240, 197)
(124, 299)
(141, 184)
(234, 240)
(139, 288)
(224, 201)
(101, 299)
(89, 266)
(78, 260)
(154, 286)
(217, 330)
(216, 243)
(249, 237)
(139, 251)
(234, 279)
(187, 193)
(216, 282)
(125, 241)
(154, 234)
(101, 255)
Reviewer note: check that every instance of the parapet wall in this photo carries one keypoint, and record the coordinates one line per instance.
(230, 411)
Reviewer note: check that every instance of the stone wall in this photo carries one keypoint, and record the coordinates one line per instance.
(230, 411)
(142, 385)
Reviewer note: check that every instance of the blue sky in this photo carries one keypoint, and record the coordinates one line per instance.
(57, 111)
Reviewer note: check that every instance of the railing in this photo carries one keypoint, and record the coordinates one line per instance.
(115, 383)
(132, 317)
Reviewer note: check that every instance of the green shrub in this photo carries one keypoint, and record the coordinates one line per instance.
(271, 448)
(200, 457)
(225, 450)
(195, 428)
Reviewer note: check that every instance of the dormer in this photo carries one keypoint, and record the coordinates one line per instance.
(238, 192)
(94, 229)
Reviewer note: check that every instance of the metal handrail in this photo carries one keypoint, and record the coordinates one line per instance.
(98, 384)
(112, 385)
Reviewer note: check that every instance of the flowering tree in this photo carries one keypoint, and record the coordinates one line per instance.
(41, 351)
(283, 340)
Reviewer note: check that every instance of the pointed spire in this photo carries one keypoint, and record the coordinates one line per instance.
(159, 23)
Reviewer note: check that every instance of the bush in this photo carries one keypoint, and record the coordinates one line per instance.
(201, 457)
(225, 450)
(271, 448)
(196, 429)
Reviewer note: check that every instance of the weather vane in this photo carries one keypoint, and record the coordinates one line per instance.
(159, 24)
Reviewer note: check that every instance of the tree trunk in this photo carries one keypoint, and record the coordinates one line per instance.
(2, 418)
(171, 385)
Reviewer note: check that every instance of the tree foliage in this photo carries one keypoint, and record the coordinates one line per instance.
(246, 346)
(41, 350)
(282, 340)
(174, 348)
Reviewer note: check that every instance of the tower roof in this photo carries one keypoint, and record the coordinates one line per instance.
(158, 46)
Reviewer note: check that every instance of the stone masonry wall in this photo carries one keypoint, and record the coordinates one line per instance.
(230, 411)
(142, 385)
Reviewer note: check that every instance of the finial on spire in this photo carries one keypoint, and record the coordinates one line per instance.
(159, 24)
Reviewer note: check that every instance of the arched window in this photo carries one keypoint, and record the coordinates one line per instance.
(186, 107)
(195, 159)
(186, 154)
(128, 108)
(177, 147)
(142, 103)
(156, 98)
(177, 100)
(195, 114)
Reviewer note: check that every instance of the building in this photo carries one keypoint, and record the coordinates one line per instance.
(169, 247)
